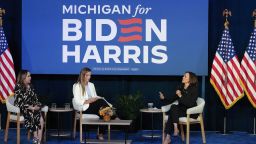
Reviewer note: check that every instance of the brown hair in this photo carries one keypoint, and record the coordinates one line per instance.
(192, 78)
(21, 77)
(81, 77)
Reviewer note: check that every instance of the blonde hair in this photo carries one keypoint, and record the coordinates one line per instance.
(81, 80)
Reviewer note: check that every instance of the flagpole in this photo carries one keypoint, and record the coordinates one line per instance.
(254, 15)
(225, 130)
(254, 115)
(225, 124)
(226, 14)
(254, 123)
(0, 121)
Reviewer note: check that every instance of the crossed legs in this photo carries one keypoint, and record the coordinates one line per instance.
(172, 123)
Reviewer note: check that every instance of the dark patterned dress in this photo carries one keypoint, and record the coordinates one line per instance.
(23, 99)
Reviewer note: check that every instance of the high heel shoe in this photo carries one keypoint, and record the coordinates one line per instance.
(176, 133)
(100, 137)
(35, 140)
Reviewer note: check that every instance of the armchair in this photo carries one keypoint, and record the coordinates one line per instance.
(80, 116)
(187, 120)
(15, 116)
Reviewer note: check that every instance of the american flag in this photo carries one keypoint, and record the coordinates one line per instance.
(249, 69)
(225, 73)
(7, 74)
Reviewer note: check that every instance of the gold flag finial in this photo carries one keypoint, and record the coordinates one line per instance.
(226, 13)
(254, 15)
(2, 12)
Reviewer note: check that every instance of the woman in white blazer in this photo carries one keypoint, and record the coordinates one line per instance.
(85, 96)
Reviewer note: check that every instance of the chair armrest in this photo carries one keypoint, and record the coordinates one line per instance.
(45, 109)
(166, 108)
(12, 108)
(195, 110)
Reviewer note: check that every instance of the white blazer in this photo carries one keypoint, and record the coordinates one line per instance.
(79, 97)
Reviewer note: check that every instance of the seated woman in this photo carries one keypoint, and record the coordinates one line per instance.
(26, 99)
(86, 97)
(186, 95)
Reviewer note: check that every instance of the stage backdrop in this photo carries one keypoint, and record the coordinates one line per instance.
(113, 37)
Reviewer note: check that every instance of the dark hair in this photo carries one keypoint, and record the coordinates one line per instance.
(21, 77)
(192, 78)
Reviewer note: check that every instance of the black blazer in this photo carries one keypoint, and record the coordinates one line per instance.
(188, 98)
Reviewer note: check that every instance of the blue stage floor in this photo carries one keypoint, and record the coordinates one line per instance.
(195, 138)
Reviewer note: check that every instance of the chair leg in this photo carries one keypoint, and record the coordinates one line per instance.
(188, 129)
(182, 133)
(18, 128)
(202, 128)
(7, 127)
(98, 130)
(74, 128)
(163, 133)
(81, 128)
(28, 135)
(45, 127)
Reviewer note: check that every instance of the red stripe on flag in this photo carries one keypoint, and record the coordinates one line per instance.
(5, 91)
(6, 81)
(218, 74)
(7, 73)
(247, 87)
(8, 59)
(220, 65)
(237, 71)
(8, 70)
(219, 89)
(249, 82)
(247, 63)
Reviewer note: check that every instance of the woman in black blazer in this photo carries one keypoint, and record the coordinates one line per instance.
(186, 95)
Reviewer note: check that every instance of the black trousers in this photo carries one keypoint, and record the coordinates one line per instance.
(95, 106)
(173, 117)
(94, 109)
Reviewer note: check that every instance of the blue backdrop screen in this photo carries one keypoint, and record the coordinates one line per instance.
(128, 37)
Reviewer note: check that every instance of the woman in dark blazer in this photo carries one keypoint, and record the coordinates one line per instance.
(186, 95)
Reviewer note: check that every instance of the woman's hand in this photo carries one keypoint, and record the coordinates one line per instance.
(94, 99)
(30, 108)
(178, 93)
(161, 95)
(90, 100)
(36, 107)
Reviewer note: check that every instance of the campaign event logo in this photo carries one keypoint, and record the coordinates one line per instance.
(113, 37)
(120, 34)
